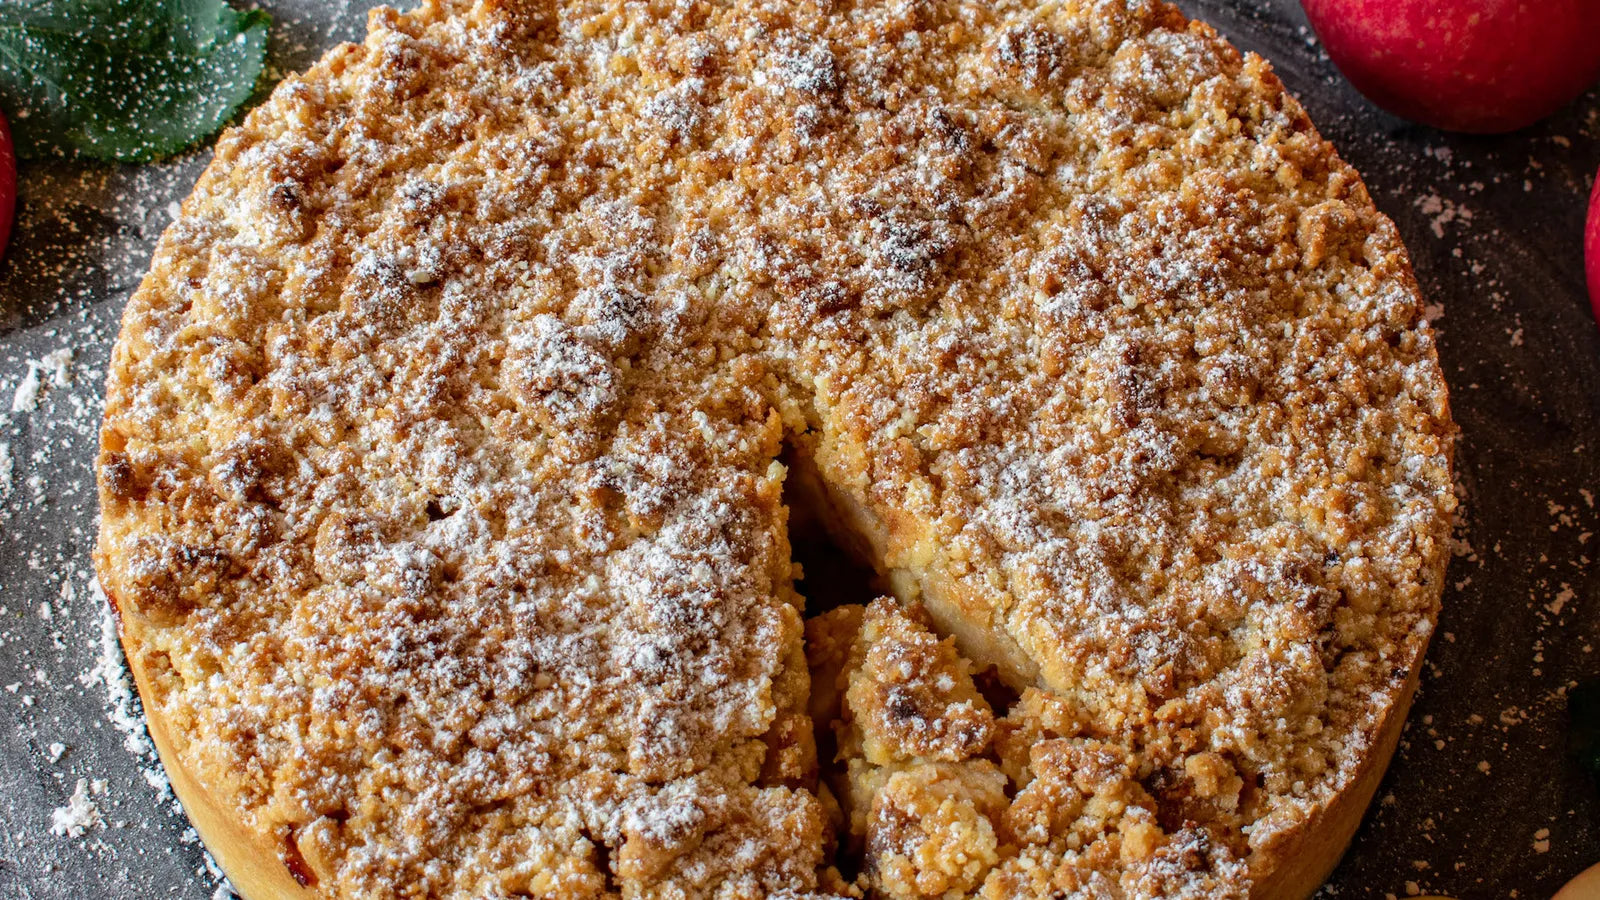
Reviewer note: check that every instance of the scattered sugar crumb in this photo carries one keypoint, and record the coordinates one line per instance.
(1556, 603)
(1443, 211)
(52, 370)
(78, 816)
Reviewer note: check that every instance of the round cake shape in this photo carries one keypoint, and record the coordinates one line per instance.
(440, 480)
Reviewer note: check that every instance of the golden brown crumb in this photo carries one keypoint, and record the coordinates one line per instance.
(930, 829)
(910, 695)
(830, 640)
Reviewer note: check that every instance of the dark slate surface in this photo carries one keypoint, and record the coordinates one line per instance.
(1483, 799)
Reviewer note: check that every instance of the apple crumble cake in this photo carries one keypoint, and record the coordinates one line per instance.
(451, 444)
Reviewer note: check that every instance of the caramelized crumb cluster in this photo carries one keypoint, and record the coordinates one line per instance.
(439, 478)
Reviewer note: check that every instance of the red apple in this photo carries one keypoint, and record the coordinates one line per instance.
(1464, 65)
(1591, 247)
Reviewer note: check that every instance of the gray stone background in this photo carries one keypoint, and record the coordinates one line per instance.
(1483, 799)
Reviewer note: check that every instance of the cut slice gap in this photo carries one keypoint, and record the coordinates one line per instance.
(839, 581)
(1000, 696)
(834, 563)
(830, 577)
(918, 578)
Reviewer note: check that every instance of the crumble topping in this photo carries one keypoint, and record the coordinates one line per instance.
(439, 480)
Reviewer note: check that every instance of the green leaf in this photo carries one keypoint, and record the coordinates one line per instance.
(130, 80)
